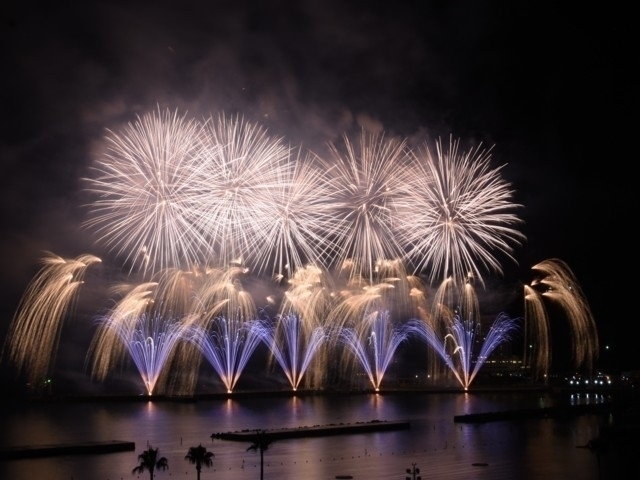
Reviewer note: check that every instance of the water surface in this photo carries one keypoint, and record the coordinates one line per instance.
(529, 449)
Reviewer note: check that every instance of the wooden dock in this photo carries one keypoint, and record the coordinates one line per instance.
(34, 451)
(314, 431)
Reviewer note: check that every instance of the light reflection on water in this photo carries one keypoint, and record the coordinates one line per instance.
(526, 449)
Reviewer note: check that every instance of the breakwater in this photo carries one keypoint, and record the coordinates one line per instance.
(544, 412)
(34, 451)
(314, 431)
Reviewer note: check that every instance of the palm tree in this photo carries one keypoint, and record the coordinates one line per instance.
(149, 461)
(261, 441)
(199, 456)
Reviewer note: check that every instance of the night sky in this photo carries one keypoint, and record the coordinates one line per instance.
(549, 87)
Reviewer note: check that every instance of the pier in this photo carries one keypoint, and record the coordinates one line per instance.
(315, 431)
(34, 451)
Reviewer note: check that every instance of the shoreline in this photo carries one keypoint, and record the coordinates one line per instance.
(125, 397)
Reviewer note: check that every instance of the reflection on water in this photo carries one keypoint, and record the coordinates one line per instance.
(525, 449)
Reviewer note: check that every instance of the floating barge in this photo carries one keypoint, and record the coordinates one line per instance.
(314, 431)
(35, 451)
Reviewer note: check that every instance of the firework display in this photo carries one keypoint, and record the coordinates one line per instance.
(350, 244)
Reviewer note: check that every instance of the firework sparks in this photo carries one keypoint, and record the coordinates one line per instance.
(34, 333)
(391, 290)
(456, 348)
(227, 344)
(292, 345)
(462, 297)
(374, 344)
(175, 196)
(107, 346)
(238, 177)
(310, 295)
(221, 293)
(462, 214)
(146, 190)
(173, 192)
(151, 343)
(557, 283)
(300, 222)
(147, 325)
(369, 187)
(537, 354)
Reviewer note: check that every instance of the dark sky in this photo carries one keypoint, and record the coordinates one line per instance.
(548, 86)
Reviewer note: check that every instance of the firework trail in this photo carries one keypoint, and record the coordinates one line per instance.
(453, 299)
(557, 283)
(392, 289)
(374, 343)
(176, 305)
(147, 325)
(366, 318)
(223, 326)
(292, 345)
(456, 348)
(221, 293)
(310, 295)
(107, 348)
(147, 186)
(34, 333)
(227, 344)
(309, 300)
(537, 354)
(151, 343)
(188, 205)
(213, 299)
(461, 214)
(153, 321)
(359, 298)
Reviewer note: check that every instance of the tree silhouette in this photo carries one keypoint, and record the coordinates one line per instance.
(200, 457)
(261, 441)
(149, 460)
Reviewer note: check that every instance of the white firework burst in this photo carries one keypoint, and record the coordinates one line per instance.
(237, 178)
(145, 193)
(369, 188)
(463, 215)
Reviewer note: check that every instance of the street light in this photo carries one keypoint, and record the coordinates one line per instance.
(414, 471)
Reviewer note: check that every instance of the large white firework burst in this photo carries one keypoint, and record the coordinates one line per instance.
(238, 178)
(301, 222)
(369, 192)
(146, 193)
(463, 218)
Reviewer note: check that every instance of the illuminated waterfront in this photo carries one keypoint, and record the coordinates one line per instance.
(527, 449)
